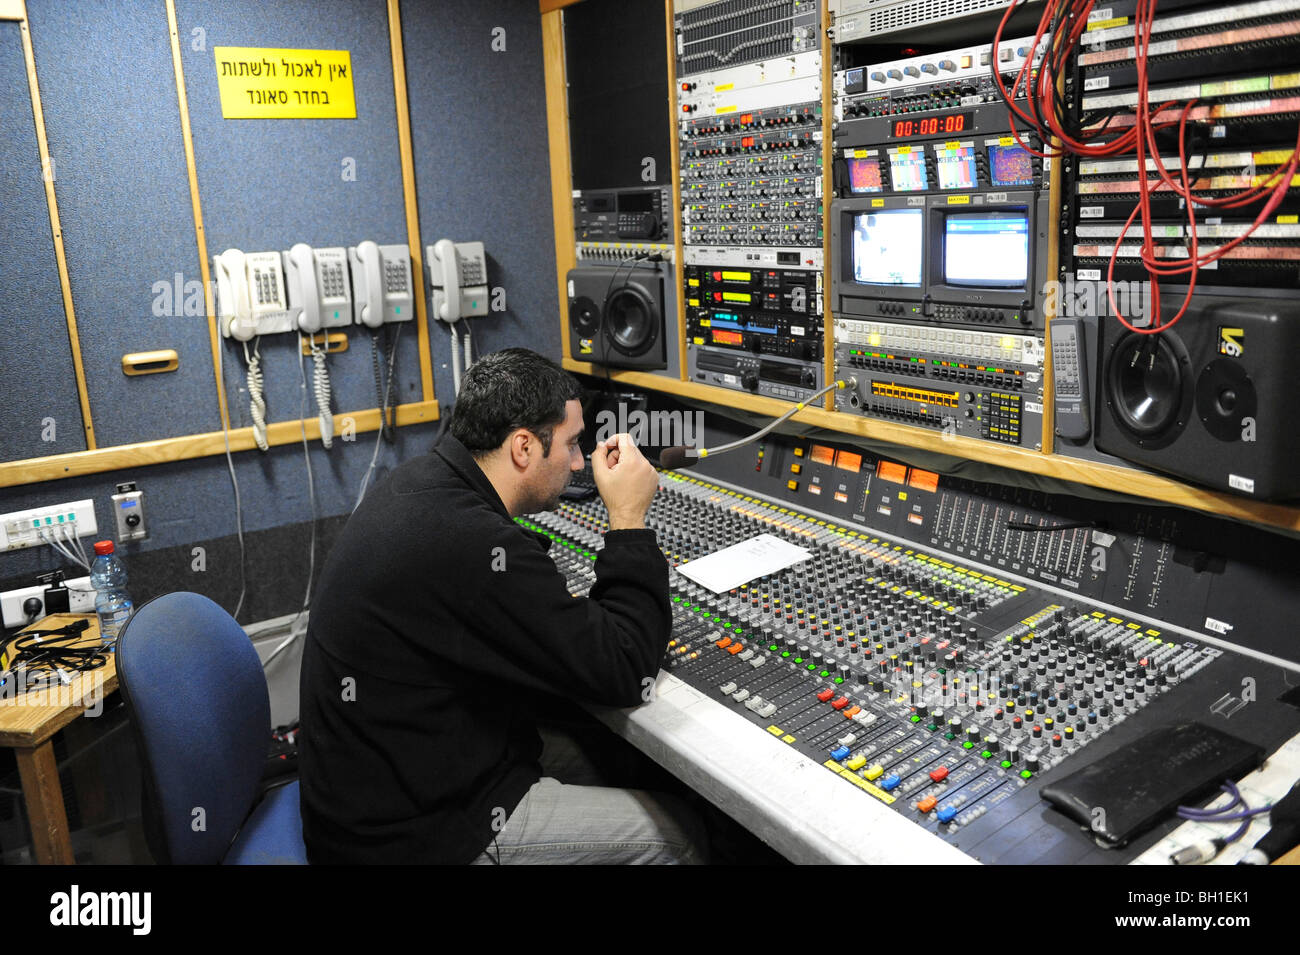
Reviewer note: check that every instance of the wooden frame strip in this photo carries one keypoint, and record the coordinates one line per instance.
(557, 135)
(408, 195)
(186, 447)
(56, 228)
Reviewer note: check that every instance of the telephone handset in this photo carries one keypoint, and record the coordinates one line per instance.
(458, 274)
(381, 283)
(250, 288)
(319, 292)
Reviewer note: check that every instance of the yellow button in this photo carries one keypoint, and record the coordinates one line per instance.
(792, 485)
(857, 762)
(875, 772)
(796, 469)
(798, 452)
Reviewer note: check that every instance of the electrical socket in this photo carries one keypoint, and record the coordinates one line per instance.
(20, 529)
(81, 599)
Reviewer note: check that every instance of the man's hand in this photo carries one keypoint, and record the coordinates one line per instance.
(626, 480)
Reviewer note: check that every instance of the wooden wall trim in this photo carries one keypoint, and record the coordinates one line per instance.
(409, 196)
(185, 447)
(557, 136)
(48, 173)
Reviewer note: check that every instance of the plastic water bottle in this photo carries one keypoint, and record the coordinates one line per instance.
(112, 603)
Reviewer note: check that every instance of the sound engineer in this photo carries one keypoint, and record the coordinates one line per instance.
(437, 615)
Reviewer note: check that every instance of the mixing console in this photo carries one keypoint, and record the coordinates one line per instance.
(939, 687)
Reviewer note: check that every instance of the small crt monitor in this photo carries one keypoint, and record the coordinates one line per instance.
(986, 249)
(1010, 165)
(864, 176)
(887, 247)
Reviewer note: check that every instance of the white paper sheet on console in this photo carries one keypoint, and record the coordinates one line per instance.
(740, 563)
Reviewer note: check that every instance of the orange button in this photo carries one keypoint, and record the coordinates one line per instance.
(852, 711)
(926, 804)
(724, 642)
(735, 648)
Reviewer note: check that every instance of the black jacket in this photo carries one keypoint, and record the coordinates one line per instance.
(420, 657)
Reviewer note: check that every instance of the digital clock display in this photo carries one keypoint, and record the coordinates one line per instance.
(931, 125)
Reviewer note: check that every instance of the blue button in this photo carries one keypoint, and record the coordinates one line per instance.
(946, 813)
(890, 782)
(840, 752)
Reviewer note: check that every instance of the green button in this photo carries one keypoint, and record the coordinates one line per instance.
(932, 727)
(1025, 774)
(949, 735)
(812, 666)
(824, 672)
(1005, 764)
(914, 718)
(774, 648)
(987, 754)
(798, 659)
(838, 679)
(968, 745)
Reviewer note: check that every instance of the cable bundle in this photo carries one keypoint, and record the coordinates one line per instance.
(1062, 24)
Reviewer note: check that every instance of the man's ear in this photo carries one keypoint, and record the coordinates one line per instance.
(522, 446)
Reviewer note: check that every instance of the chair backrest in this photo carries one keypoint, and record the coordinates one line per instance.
(198, 701)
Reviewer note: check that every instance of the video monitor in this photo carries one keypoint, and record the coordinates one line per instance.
(986, 249)
(907, 169)
(1010, 166)
(955, 166)
(887, 247)
(864, 176)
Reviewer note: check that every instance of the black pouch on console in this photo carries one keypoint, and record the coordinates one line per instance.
(1127, 792)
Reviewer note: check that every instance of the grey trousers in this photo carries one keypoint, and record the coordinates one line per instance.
(565, 820)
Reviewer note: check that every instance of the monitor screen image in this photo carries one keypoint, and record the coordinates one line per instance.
(864, 176)
(986, 249)
(887, 247)
(1010, 166)
(907, 170)
(955, 167)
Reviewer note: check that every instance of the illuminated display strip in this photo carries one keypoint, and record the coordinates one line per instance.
(1227, 230)
(1206, 41)
(1263, 157)
(888, 389)
(1251, 84)
(1255, 107)
(1291, 253)
(1214, 183)
(934, 361)
(1192, 21)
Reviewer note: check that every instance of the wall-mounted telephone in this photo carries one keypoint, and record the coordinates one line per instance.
(320, 294)
(320, 297)
(458, 274)
(250, 290)
(381, 284)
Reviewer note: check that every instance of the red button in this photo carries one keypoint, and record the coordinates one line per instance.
(842, 702)
(939, 775)
(825, 694)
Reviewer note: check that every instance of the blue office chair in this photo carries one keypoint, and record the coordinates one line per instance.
(198, 702)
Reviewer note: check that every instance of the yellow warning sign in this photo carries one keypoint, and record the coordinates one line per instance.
(264, 83)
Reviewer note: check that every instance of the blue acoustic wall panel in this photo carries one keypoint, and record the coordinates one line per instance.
(478, 130)
(38, 397)
(267, 184)
(108, 88)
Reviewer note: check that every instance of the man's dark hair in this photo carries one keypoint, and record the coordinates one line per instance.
(509, 389)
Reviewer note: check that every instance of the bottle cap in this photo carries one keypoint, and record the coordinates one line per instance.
(103, 547)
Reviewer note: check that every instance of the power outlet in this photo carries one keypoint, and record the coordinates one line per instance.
(81, 599)
(20, 529)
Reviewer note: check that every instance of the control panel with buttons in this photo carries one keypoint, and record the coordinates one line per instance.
(937, 682)
(972, 384)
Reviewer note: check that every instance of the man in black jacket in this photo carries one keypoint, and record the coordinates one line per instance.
(437, 615)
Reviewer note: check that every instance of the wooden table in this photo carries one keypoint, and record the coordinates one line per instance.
(27, 726)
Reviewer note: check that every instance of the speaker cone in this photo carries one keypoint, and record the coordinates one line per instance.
(631, 321)
(584, 316)
(1225, 397)
(1146, 387)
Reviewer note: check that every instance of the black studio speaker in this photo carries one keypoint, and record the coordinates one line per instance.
(1212, 400)
(616, 314)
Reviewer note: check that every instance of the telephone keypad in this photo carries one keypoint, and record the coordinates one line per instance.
(394, 277)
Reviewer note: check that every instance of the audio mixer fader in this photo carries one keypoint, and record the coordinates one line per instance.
(931, 684)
